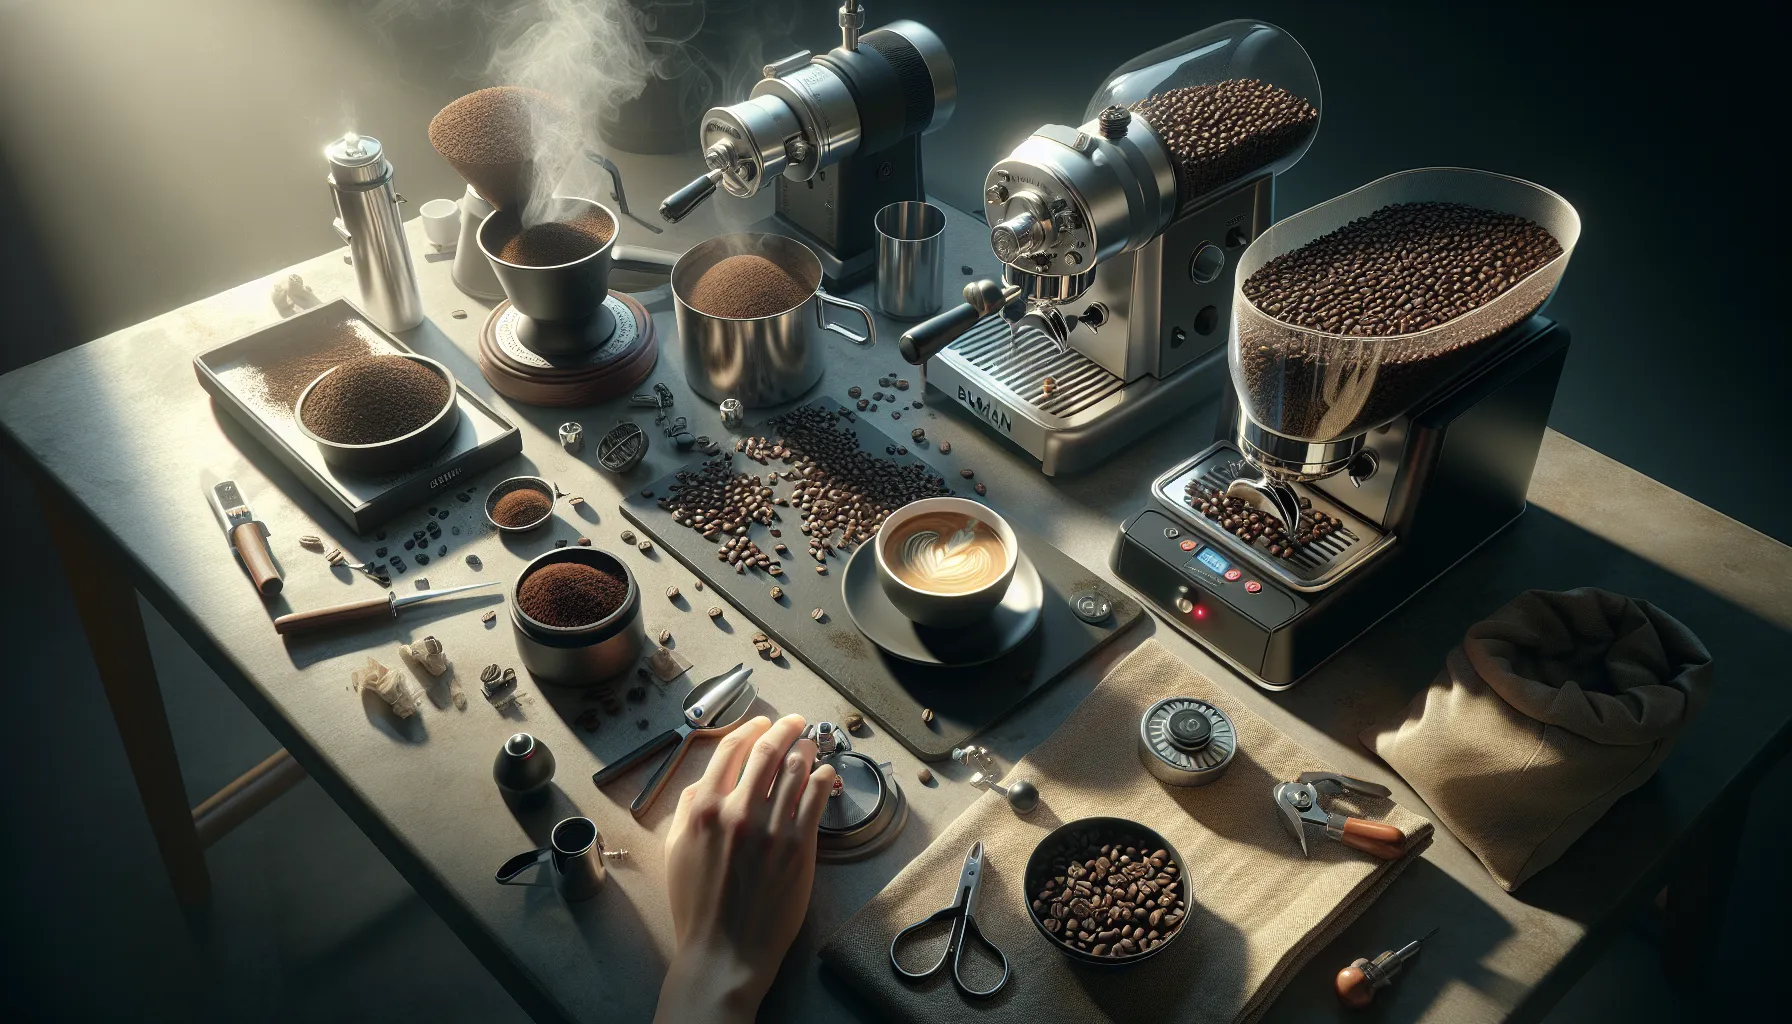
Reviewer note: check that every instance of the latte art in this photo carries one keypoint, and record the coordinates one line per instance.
(946, 552)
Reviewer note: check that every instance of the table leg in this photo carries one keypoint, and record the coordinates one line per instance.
(107, 605)
(1698, 892)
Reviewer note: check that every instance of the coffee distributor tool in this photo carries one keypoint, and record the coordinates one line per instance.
(867, 808)
(1389, 471)
(1119, 238)
(1184, 741)
(840, 132)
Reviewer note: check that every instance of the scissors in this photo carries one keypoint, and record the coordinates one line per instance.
(963, 915)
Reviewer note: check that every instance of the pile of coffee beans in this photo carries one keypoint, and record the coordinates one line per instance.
(1403, 269)
(521, 507)
(1219, 133)
(555, 242)
(1251, 524)
(840, 491)
(570, 594)
(1111, 896)
(746, 286)
(371, 399)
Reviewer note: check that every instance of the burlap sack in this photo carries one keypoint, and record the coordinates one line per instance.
(1552, 709)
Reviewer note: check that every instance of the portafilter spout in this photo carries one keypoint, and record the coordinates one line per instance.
(1278, 461)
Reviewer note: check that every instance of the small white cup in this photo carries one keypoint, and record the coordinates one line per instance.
(441, 222)
(931, 608)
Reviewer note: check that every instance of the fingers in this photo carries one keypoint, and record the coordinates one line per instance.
(731, 753)
(768, 755)
(814, 800)
(792, 780)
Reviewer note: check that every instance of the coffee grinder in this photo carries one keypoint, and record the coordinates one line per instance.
(1407, 463)
(1119, 239)
(840, 133)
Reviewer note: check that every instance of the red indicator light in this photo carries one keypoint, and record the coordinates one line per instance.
(1200, 612)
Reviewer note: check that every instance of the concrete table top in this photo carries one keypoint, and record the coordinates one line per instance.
(121, 425)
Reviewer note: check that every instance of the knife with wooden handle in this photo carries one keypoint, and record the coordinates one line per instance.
(385, 606)
(247, 535)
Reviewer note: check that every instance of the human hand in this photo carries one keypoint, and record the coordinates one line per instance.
(740, 863)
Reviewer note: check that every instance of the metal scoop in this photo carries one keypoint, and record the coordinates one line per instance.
(713, 708)
(1271, 496)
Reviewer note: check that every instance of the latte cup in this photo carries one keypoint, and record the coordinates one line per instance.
(946, 603)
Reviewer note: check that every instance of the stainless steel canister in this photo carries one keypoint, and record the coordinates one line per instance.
(368, 219)
(759, 361)
(582, 655)
(911, 254)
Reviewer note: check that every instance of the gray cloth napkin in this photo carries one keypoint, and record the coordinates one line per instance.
(1259, 909)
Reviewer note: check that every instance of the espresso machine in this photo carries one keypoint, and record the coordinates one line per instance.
(839, 133)
(1119, 239)
(1389, 467)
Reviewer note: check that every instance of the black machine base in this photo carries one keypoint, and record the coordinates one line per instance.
(1463, 476)
(833, 211)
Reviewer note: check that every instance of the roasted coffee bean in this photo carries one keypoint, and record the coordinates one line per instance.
(854, 722)
(628, 536)
(925, 776)
(945, 447)
(714, 612)
(665, 637)
(645, 546)
(982, 488)
(927, 715)
(1217, 133)
(864, 404)
(817, 614)
(967, 473)
(671, 593)
(1105, 881)
(854, 391)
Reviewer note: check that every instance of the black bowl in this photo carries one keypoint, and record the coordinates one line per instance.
(1073, 835)
(406, 451)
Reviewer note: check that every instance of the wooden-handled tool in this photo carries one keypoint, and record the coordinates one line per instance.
(1299, 802)
(385, 606)
(247, 535)
(1358, 983)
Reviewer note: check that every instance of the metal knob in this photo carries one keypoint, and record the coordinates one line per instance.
(1021, 795)
(1018, 235)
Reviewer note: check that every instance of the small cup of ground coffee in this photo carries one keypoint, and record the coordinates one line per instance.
(752, 318)
(1106, 891)
(576, 612)
(519, 504)
(379, 413)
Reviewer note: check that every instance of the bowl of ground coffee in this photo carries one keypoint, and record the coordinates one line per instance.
(519, 504)
(379, 413)
(1347, 314)
(576, 612)
(751, 316)
(1108, 892)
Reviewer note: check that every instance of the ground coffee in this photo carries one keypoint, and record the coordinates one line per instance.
(746, 286)
(374, 398)
(1219, 133)
(521, 507)
(274, 376)
(1403, 269)
(555, 242)
(570, 594)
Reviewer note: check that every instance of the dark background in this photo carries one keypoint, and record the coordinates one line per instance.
(155, 153)
(158, 153)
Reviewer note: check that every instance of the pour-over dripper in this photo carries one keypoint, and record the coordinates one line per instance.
(507, 141)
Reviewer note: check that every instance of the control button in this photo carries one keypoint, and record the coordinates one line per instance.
(1092, 606)
(1184, 605)
(1252, 586)
(1232, 575)
(1172, 532)
(1187, 545)
(1205, 266)
(1207, 320)
(1236, 237)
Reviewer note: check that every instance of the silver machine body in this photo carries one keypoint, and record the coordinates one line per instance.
(837, 132)
(369, 221)
(1117, 288)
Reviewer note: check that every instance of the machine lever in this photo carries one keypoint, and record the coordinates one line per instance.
(981, 299)
(679, 204)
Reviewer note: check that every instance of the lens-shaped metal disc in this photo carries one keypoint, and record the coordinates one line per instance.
(1185, 741)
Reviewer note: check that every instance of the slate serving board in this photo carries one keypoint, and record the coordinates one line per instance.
(892, 692)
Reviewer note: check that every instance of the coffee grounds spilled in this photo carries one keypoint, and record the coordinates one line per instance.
(747, 286)
(521, 507)
(373, 399)
(559, 241)
(570, 594)
(1219, 133)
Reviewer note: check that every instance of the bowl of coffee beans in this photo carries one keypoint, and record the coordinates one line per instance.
(520, 504)
(379, 413)
(576, 612)
(1106, 891)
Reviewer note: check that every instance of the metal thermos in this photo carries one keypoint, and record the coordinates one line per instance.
(368, 219)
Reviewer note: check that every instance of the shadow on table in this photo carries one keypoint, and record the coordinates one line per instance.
(1743, 726)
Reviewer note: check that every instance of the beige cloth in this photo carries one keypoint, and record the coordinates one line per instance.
(1551, 710)
(1259, 909)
